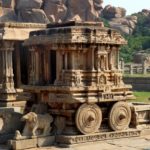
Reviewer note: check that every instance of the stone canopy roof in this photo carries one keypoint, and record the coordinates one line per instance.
(75, 32)
(18, 31)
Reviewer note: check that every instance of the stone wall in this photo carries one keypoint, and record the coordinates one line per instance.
(138, 83)
(132, 68)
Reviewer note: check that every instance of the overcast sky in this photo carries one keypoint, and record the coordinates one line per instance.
(131, 6)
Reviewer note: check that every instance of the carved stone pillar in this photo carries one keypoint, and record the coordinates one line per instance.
(118, 66)
(144, 68)
(59, 66)
(131, 69)
(73, 61)
(7, 92)
(46, 67)
(34, 67)
(66, 61)
(93, 57)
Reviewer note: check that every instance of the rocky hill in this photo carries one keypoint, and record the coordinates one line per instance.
(117, 19)
(50, 11)
(135, 27)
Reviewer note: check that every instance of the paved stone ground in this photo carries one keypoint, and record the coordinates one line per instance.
(140, 143)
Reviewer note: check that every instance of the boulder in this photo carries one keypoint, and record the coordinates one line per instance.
(87, 10)
(126, 25)
(29, 4)
(145, 12)
(33, 15)
(110, 12)
(122, 28)
(98, 4)
(55, 10)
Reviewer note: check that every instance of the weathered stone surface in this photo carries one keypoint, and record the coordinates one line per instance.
(8, 126)
(110, 12)
(45, 141)
(23, 144)
(7, 14)
(8, 118)
(33, 15)
(125, 25)
(34, 142)
(29, 4)
(55, 10)
(97, 137)
(140, 143)
(88, 10)
(8, 3)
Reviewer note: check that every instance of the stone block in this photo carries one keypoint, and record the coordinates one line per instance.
(8, 3)
(9, 123)
(145, 132)
(23, 144)
(41, 141)
(45, 141)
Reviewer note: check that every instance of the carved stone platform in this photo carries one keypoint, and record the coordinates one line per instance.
(9, 122)
(67, 141)
(26, 143)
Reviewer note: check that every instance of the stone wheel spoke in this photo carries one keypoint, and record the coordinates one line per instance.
(120, 116)
(88, 118)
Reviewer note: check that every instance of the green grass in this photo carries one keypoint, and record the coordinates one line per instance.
(137, 75)
(142, 96)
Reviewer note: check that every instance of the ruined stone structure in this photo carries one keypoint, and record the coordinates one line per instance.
(12, 99)
(12, 34)
(70, 85)
(86, 79)
(140, 64)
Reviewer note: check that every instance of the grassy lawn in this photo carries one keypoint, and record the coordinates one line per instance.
(137, 75)
(142, 96)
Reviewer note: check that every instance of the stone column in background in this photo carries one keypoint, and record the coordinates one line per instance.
(7, 92)
(144, 67)
(131, 69)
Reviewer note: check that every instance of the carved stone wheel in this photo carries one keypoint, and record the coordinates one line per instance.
(88, 118)
(120, 116)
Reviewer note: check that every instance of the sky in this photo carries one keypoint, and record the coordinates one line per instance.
(131, 6)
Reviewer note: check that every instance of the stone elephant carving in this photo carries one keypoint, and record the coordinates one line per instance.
(35, 122)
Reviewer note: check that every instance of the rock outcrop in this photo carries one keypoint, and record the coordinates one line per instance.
(110, 12)
(46, 11)
(125, 25)
(51, 11)
(56, 11)
(145, 12)
(85, 10)
(32, 15)
(117, 19)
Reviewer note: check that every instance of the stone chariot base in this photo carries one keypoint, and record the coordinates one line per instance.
(67, 141)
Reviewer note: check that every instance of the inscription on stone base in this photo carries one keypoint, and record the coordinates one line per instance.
(97, 137)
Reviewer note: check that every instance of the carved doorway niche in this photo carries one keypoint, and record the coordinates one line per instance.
(101, 60)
